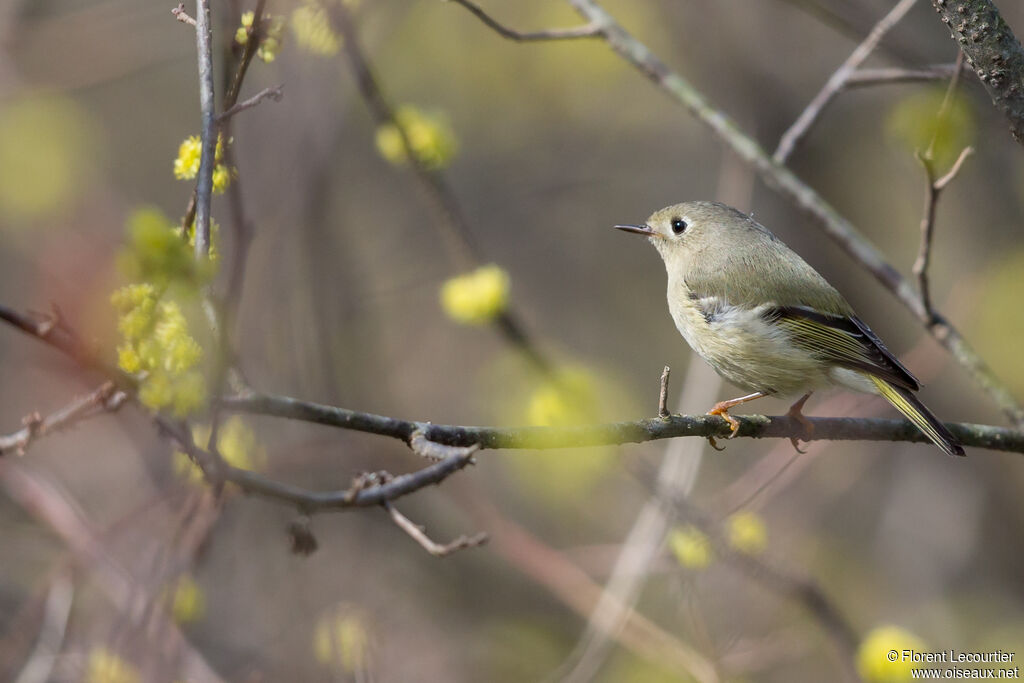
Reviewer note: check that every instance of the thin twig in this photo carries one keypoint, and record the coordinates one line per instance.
(103, 399)
(663, 410)
(208, 135)
(275, 93)
(181, 15)
(895, 75)
(932, 192)
(589, 30)
(809, 116)
(434, 548)
(756, 426)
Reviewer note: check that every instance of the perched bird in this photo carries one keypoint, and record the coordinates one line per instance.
(768, 322)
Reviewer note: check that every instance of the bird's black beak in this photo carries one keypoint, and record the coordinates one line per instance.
(644, 230)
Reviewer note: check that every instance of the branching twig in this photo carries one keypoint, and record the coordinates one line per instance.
(436, 549)
(932, 191)
(786, 183)
(590, 30)
(275, 93)
(104, 399)
(792, 137)
(992, 51)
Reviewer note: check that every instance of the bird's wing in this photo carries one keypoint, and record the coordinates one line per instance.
(843, 340)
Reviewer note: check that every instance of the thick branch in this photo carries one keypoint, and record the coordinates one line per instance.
(756, 426)
(786, 183)
(992, 51)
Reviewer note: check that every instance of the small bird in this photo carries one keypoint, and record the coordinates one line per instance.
(768, 322)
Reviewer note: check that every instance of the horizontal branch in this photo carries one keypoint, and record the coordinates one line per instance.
(590, 30)
(103, 399)
(754, 426)
(895, 75)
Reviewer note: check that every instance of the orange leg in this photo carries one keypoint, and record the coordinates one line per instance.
(795, 413)
(722, 408)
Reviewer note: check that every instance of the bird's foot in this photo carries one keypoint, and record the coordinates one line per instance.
(722, 410)
(795, 413)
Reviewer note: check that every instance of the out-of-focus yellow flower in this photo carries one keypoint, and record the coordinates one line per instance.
(915, 122)
(313, 31)
(190, 152)
(186, 600)
(106, 667)
(567, 397)
(430, 136)
(270, 44)
(157, 253)
(997, 334)
(236, 443)
(747, 532)
(691, 547)
(477, 297)
(48, 153)
(876, 662)
(342, 639)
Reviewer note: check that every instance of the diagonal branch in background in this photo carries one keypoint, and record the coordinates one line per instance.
(456, 228)
(590, 30)
(790, 186)
(103, 399)
(803, 124)
(992, 51)
(638, 431)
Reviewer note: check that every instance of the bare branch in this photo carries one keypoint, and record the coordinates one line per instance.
(755, 426)
(868, 77)
(208, 135)
(663, 410)
(590, 30)
(992, 51)
(275, 93)
(792, 137)
(932, 191)
(104, 399)
(436, 549)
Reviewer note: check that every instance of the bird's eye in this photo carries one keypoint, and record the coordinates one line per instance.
(678, 225)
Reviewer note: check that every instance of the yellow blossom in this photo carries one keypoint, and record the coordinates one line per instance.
(342, 639)
(746, 532)
(186, 600)
(915, 122)
(477, 297)
(875, 661)
(106, 667)
(313, 31)
(430, 137)
(186, 164)
(691, 547)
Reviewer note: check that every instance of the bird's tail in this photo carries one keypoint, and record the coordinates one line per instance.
(907, 403)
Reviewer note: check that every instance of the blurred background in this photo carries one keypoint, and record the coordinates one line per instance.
(119, 566)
